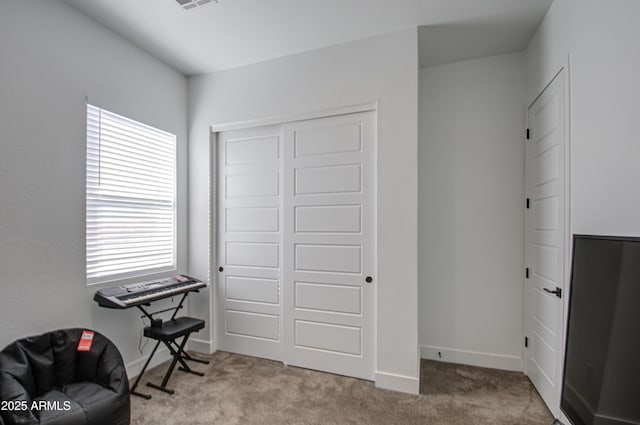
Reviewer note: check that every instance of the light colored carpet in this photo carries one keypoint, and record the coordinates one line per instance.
(246, 390)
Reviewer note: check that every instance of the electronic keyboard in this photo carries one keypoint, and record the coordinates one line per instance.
(135, 294)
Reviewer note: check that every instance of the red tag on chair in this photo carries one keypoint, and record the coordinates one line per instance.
(86, 339)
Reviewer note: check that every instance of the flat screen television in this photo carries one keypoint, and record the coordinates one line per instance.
(601, 382)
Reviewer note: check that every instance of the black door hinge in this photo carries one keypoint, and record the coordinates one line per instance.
(528, 134)
(526, 341)
(526, 272)
(528, 203)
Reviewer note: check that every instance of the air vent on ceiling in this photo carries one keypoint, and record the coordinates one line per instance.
(192, 4)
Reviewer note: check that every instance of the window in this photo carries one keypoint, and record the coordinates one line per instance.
(131, 198)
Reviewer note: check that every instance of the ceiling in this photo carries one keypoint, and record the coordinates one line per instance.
(233, 33)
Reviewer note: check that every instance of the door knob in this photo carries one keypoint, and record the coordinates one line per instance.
(368, 279)
(557, 292)
(220, 269)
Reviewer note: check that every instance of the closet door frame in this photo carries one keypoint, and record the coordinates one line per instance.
(214, 205)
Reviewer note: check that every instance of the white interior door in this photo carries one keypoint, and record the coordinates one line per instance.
(329, 228)
(250, 242)
(546, 242)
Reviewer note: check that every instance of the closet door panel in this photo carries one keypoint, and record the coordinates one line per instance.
(250, 254)
(329, 244)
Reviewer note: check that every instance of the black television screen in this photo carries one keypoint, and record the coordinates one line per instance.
(601, 384)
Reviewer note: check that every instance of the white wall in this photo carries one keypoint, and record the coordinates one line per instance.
(383, 69)
(600, 40)
(471, 215)
(52, 57)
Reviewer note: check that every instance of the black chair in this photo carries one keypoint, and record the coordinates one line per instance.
(75, 387)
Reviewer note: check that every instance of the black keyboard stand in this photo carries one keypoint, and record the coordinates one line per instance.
(168, 332)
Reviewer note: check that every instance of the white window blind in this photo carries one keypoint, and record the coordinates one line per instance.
(131, 197)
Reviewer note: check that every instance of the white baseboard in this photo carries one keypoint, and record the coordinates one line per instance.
(472, 358)
(401, 383)
(134, 368)
(201, 346)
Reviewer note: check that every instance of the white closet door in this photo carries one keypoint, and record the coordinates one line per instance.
(249, 242)
(329, 228)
